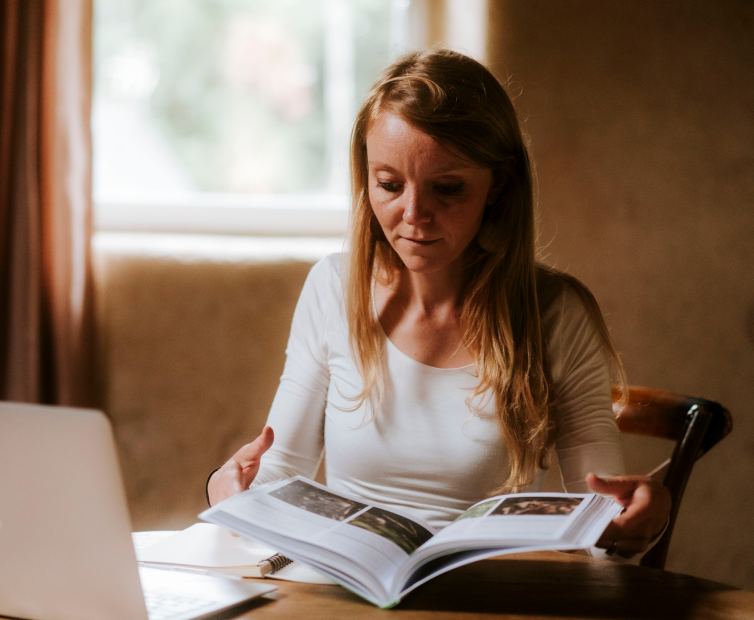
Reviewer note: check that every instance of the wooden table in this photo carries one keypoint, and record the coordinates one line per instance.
(531, 586)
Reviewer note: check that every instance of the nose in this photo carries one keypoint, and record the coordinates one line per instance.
(416, 209)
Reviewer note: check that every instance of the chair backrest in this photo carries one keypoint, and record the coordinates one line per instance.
(696, 424)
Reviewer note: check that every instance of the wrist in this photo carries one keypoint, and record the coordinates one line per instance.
(206, 485)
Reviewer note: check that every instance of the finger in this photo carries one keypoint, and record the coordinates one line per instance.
(249, 455)
(637, 510)
(619, 487)
(643, 518)
(633, 523)
(633, 526)
(612, 532)
(239, 471)
(249, 458)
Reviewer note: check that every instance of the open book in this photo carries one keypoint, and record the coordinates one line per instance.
(382, 553)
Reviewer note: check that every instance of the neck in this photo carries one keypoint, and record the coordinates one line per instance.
(433, 292)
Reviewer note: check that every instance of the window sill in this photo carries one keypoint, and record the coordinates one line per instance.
(223, 214)
(214, 248)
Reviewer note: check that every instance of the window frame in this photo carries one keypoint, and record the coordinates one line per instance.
(224, 214)
(284, 215)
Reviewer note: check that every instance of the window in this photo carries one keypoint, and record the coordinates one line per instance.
(232, 116)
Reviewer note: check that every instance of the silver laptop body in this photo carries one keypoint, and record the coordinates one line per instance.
(65, 536)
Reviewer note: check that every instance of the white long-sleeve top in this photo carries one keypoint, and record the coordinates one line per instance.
(425, 451)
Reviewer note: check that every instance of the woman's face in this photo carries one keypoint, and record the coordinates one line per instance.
(428, 200)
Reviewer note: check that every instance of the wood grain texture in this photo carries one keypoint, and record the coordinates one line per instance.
(660, 413)
(531, 585)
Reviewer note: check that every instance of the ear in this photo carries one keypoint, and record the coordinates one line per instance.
(499, 179)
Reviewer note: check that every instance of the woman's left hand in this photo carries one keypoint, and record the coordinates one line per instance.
(646, 508)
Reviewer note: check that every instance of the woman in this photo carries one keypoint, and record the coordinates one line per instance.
(436, 361)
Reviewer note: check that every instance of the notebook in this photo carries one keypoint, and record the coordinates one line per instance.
(211, 548)
(65, 537)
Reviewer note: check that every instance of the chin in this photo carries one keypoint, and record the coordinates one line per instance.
(424, 264)
(431, 259)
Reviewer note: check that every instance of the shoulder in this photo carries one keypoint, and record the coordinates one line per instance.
(323, 288)
(329, 266)
(572, 324)
(561, 294)
(326, 274)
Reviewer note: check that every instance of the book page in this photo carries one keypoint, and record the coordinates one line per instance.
(522, 518)
(375, 536)
(510, 524)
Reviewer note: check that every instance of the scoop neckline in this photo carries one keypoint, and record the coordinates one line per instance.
(391, 344)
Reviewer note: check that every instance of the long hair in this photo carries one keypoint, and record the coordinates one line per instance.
(458, 102)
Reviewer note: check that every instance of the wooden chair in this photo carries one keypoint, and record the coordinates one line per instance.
(695, 424)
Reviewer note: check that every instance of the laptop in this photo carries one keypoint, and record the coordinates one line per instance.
(65, 537)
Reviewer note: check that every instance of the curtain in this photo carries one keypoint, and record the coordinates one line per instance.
(46, 287)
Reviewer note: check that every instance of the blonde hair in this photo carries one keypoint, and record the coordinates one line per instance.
(458, 102)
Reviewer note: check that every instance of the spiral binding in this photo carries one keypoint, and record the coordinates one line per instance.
(276, 562)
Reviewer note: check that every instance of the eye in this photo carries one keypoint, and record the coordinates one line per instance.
(388, 186)
(449, 189)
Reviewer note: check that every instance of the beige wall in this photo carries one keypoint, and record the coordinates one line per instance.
(641, 117)
(192, 348)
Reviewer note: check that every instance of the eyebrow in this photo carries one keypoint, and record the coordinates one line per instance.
(441, 171)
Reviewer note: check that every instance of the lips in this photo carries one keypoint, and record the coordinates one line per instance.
(422, 242)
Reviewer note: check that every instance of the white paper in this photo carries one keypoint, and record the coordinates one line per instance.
(209, 546)
(142, 540)
(206, 546)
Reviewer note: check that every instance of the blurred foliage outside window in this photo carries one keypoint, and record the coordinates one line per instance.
(250, 96)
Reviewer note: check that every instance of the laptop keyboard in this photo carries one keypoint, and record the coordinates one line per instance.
(169, 606)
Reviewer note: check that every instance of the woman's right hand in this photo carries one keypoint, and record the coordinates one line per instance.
(239, 472)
